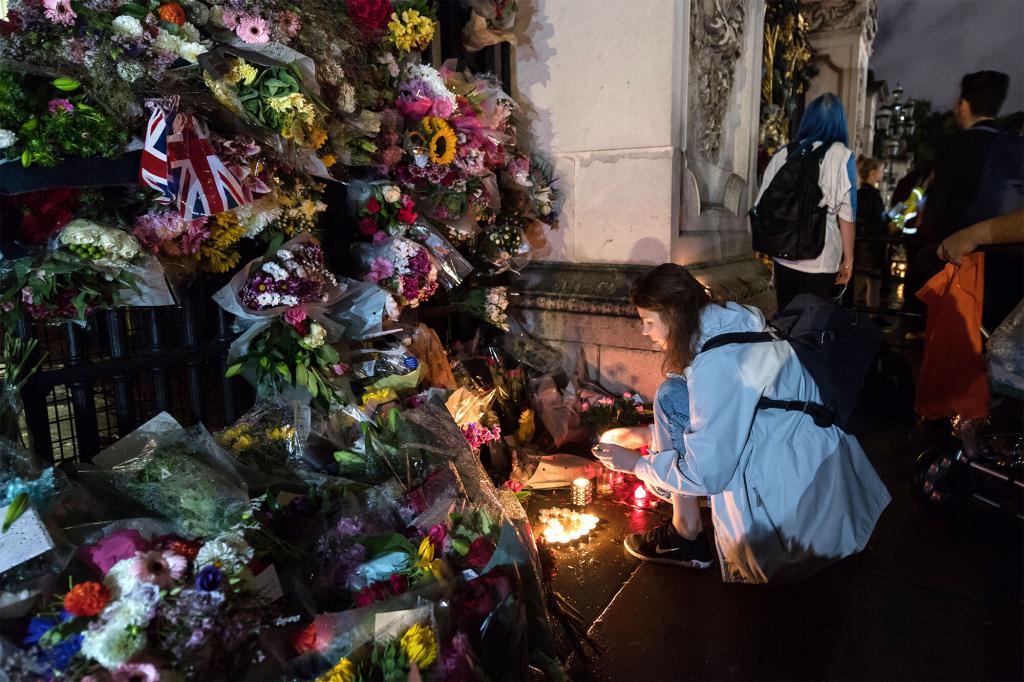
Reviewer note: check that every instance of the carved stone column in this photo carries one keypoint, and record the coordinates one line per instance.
(649, 112)
(842, 34)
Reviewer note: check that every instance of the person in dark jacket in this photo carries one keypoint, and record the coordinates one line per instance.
(952, 202)
(871, 222)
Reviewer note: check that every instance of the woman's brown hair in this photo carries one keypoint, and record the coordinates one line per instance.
(866, 164)
(677, 296)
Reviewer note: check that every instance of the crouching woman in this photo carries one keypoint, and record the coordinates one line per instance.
(787, 496)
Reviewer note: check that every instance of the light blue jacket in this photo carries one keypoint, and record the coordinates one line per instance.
(787, 496)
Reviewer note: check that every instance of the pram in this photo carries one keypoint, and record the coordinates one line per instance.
(984, 458)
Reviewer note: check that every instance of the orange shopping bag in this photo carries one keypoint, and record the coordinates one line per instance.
(953, 380)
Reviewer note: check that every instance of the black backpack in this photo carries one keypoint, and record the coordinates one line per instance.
(787, 222)
(835, 345)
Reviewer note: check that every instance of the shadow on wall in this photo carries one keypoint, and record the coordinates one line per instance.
(532, 55)
(650, 251)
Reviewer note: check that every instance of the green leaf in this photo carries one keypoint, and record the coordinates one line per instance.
(460, 546)
(66, 84)
(348, 459)
(283, 370)
(14, 511)
(234, 369)
(385, 544)
(311, 384)
(301, 375)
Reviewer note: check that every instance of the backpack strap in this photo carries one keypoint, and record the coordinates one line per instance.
(821, 415)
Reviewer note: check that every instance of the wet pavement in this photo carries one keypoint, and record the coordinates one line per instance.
(933, 597)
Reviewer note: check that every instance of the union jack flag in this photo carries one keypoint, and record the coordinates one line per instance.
(205, 185)
(179, 162)
(154, 169)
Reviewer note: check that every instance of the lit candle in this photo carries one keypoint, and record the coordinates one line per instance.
(640, 492)
(581, 492)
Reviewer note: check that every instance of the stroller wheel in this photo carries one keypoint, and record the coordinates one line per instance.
(933, 482)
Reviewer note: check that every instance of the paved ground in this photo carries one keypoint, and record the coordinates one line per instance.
(931, 598)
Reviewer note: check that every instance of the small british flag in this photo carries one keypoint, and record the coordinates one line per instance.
(206, 186)
(179, 162)
(154, 171)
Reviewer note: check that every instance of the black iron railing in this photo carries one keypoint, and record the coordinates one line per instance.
(98, 383)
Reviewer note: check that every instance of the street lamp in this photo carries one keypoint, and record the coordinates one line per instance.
(894, 124)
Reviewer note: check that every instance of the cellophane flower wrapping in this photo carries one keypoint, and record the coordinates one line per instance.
(270, 438)
(85, 267)
(179, 474)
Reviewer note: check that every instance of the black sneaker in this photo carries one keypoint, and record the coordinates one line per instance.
(663, 545)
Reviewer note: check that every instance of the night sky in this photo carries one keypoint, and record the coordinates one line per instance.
(927, 45)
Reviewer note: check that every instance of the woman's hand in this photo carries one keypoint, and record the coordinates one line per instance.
(632, 437)
(616, 457)
(845, 272)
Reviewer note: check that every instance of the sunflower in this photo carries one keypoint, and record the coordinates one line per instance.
(442, 146)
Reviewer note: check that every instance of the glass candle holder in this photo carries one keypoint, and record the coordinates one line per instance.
(581, 493)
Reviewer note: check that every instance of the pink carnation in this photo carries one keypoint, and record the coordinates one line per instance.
(60, 105)
(380, 268)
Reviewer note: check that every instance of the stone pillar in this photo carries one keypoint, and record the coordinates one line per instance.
(842, 33)
(648, 110)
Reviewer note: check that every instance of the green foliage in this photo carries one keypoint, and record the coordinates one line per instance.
(279, 360)
(49, 135)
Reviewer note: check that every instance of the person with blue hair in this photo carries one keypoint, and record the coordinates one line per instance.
(823, 123)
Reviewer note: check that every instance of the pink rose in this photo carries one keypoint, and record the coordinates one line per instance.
(121, 545)
(437, 535)
(295, 316)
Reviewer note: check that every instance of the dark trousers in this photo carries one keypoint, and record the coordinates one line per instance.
(789, 283)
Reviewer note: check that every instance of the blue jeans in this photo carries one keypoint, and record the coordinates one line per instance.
(671, 421)
(671, 414)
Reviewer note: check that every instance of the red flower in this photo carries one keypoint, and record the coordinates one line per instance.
(399, 583)
(45, 212)
(513, 485)
(367, 226)
(185, 548)
(373, 206)
(480, 553)
(305, 639)
(371, 16)
(172, 13)
(407, 216)
(86, 599)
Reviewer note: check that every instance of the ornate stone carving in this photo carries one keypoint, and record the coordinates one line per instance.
(839, 15)
(716, 33)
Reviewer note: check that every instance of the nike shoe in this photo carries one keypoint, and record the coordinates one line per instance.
(663, 545)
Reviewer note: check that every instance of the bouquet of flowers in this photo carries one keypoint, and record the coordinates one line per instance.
(272, 97)
(502, 243)
(283, 299)
(386, 211)
(57, 125)
(405, 269)
(412, 25)
(160, 605)
(602, 412)
(90, 267)
(485, 303)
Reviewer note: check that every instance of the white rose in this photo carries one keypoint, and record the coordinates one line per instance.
(7, 138)
(316, 337)
(190, 51)
(391, 194)
(126, 25)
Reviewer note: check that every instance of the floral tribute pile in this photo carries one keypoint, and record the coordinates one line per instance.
(344, 528)
(245, 112)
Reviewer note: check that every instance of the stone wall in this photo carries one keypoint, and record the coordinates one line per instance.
(649, 111)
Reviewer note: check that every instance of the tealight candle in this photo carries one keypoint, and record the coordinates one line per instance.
(582, 492)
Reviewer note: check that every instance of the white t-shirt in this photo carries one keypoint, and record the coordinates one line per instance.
(837, 190)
